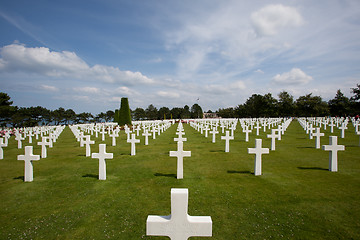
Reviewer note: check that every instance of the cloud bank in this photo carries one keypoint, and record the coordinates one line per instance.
(42, 61)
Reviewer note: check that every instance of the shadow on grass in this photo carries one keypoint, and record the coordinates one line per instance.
(241, 172)
(305, 147)
(91, 176)
(172, 175)
(352, 146)
(313, 168)
(216, 151)
(19, 177)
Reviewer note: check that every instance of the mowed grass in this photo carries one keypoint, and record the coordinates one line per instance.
(295, 198)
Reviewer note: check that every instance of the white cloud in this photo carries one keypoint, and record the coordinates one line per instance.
(238, 85)
(49, 88)
(259, 71)
(270, 19)
(40, 60)
(294, 77)
(87, 89)
(167, 94)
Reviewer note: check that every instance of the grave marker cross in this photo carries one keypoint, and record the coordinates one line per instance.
(133, 140)
(179, 225)
(180, 154)
(258, 151)
(317, 135)
(333, 148)
(102, 155)
(227, 139)
(28, 158)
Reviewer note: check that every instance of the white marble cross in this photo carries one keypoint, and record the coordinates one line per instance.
(146, 134)
(258, 151)
(227, 139)
(311, 129)
(273, 136)
(214, 132)
(30, 135)
(87, 143)
(43, 144)
(257, 128)
(133, 140)
(206, 129)
(180, 138)
(180, 154)
(154, 132)
(179, 225)
(333, 148)
(2, 144)
(317, 136)
(103, 132)
(246, 130)
(102, 156)
(222, 126)
(28, 158)
(19, 138)
(332, 125)
(343, 128)
(113, 135)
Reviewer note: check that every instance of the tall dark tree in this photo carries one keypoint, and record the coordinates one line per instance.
(176, 112)
(355, 101)
(196, 111)
(340, 105)
(139, 114)
(59, 115)
(109, 116)
(151, 112)
(311, 106)
(226, 112)
(6, 110)
(124, 113)
(186, 112)
(286, 104)
(164, 113)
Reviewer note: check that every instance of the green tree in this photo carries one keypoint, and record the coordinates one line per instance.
(109, 116)
(355, 100)
(340, 105)
(196, 111)
(286, 104)
(124, 112)
(226, 112)
(6, 110)
(185, 114)
(311, 106)
(176, 112)
(164, 113)
(151, 112)
(59, 115)
(139, 114)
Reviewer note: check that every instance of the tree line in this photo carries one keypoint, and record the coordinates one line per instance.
(285, 106)
(255, 106)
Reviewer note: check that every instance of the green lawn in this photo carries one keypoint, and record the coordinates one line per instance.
(295, 198)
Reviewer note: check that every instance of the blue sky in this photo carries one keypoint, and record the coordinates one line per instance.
(86, 55)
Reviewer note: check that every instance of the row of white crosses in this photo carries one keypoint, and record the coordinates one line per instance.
(333, 146)
(179, 225)
(53, 131)
(28, 157)
(180, 153)
(113, 131)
